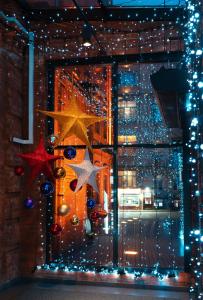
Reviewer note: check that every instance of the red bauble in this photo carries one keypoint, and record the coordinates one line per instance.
(19, 170)
(102, 213)
(73, 185)
(94, 215)
(55, 229)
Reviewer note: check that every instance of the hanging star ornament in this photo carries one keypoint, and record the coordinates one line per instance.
(39, 161)
(86, 172)
(73, 121)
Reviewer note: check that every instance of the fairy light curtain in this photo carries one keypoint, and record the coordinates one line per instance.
(150, 190)
(149, 180)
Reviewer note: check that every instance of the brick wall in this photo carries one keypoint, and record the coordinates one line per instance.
(11, 104)
(19, 228)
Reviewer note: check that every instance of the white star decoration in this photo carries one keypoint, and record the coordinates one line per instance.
(86, 172)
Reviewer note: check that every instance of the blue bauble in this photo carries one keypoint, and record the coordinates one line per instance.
(28, 203)
(69, 152)
(47, 188)
(91, 203)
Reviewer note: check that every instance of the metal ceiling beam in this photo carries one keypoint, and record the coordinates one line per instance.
(101, 4)
(85, 19)
(112, 14)
(156, 57)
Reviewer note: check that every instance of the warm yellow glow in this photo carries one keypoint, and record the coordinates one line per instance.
(127, 139)
(130, 252)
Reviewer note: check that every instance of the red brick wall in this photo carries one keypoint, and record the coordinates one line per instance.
(19, 228)
(11, 104)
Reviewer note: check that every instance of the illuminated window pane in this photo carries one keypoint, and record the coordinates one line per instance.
(126, 139)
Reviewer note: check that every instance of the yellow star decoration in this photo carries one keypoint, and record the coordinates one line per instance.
(73, 121)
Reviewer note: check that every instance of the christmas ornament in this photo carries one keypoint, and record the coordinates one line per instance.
(73, 121)
(59, 172)
(39, 161)
(91, 203)
(86, 172)
(47, 188)
(63, 210)
(102, 213)
(87, 226)
(69, 152)
(90, 235)
(94, 216)
(28, 203)
(52, 140)
(55, 229)
(19, 170)
(73, 185)
(74, 220)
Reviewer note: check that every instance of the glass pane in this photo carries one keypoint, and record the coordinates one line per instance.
(86, 238)
(140, 120)
(90, 88)
(150, 208)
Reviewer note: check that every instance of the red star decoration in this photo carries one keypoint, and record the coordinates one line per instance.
(39, 161)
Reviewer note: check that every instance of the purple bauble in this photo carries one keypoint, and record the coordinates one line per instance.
(28, 203)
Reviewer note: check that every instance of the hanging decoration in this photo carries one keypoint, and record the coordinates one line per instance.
(55, 229)
(87, 226)
(102, 213)
(94, 216)
(73, 185)
(69, 152)
(91, 203)
(59, 172)
(63, 209)
(86, 172)
(39, 161)
(52, 140)
(73, 121)
(19, 170)
(74, 220)
(47, 188)
(29, 203)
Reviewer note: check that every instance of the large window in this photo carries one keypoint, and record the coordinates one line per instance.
(138, 204)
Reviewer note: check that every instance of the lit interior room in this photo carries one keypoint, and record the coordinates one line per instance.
(101, 180)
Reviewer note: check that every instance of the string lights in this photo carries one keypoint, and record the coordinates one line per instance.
(193, 61)
(150, 128)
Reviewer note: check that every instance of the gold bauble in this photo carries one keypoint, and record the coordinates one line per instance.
(59, 172)
(63, 210)
(74, 220)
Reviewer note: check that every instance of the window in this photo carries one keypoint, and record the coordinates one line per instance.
(126, 139)
(127, 179)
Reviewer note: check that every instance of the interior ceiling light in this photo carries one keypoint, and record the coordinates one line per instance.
(87, 35)
(130, 252)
